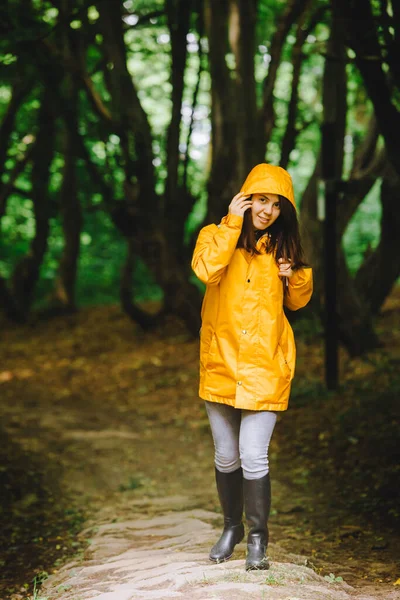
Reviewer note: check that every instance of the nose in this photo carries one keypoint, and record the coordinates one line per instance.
(268, 210)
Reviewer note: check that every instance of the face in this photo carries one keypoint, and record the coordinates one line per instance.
(265, 210)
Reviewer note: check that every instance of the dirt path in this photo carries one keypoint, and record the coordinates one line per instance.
(165, 556)
(111, 420)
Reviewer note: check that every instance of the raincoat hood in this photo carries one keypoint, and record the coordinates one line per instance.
(269, 179)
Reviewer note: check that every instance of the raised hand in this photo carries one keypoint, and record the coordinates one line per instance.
(239, 204)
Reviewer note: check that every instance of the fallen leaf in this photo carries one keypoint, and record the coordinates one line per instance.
(6, 376)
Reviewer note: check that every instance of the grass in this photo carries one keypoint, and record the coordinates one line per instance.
(37, 583)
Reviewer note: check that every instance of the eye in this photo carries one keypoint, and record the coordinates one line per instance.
(277, 204)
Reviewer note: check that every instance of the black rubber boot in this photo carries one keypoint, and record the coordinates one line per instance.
(230, 492)
(257, 502)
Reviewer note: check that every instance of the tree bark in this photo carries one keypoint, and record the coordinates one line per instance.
(235, 133)
(242, 36)
(223, 181)
(266, 118)
(128, 114)
(355, 326)
(291, 131)
(145, 320)
(200, 30)
(26, 272)
(356, 189)
(71, 212)
(362, 37)
(175, 206)
(148, 232)
(380, 270)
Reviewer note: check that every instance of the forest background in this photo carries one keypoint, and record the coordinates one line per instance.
(127, 126)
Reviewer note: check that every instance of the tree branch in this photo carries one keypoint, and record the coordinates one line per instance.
(76, 68)
(291, 131)
(131, 119)
(290, 14)
(363, 39)
(194, 102)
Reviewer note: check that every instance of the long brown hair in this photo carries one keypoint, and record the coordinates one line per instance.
(284, 236)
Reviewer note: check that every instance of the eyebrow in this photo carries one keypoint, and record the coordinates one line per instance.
(267, 197)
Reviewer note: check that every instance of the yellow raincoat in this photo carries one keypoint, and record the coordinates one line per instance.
(247, 349)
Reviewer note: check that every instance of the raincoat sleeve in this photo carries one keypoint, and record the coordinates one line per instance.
(215, 247)
(299, 289)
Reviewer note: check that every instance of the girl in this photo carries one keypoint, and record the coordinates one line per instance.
(252, 263)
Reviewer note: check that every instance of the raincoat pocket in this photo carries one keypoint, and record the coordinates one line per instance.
(283, 363)
(206, 350)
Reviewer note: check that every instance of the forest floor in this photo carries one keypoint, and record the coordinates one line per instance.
(107, 469)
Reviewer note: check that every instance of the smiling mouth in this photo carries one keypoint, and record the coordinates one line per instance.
(263, 220)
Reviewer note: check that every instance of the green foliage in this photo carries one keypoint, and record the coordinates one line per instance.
(148, 48)
(363, 231)
(38, 580)
(332, 579)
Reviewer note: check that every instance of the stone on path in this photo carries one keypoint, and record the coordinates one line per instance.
(166, 556)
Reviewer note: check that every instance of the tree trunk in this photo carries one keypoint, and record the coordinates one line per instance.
(362, 37)
(242, 37)
(176, 207)
(7, 303)
(26, 272)
(235, 134)
(291, 131)
(71, 215)
(355, 327)
(223, 182)
(368, 164)
(201, 69)
(71, 212)
(148, 232)
(266, 117)
(334, 95)
(142, 318)
(380, 270)
(128, 114)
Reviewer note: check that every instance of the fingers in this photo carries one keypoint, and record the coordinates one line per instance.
(240, 203)
(285, 267)
(240, 195)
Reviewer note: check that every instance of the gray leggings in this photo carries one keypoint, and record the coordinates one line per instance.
(241, 438)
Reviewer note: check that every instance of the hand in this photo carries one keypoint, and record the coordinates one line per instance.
(239, 204)
(285, 267)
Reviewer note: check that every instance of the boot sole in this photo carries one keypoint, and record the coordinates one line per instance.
(217, 561)
(261, 567)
